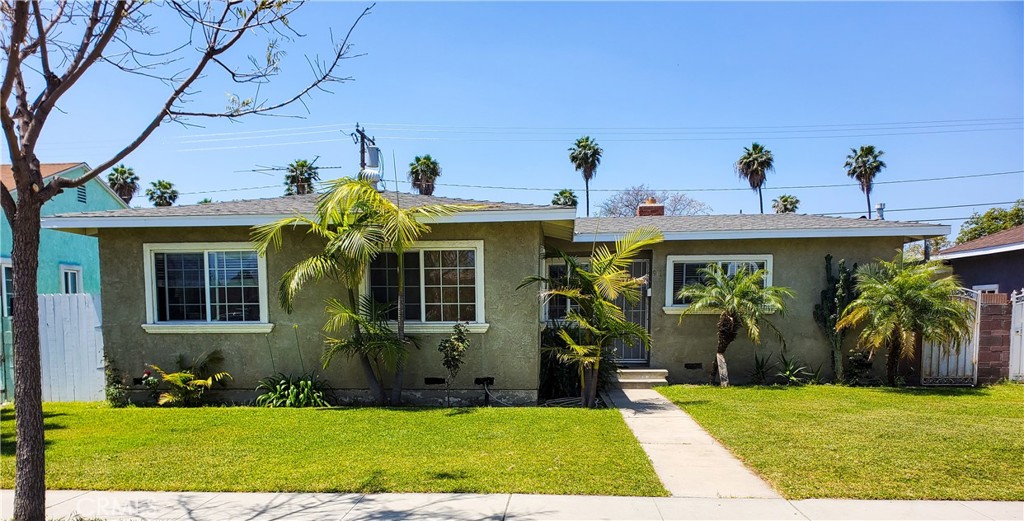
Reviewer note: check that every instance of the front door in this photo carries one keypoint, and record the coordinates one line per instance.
(634, 353)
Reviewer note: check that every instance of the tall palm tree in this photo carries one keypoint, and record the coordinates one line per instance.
(585, 156)
(423, 171)
(901, 302)
(754, 165)
(741, 301)
(592, 288)
(300, 177)
(354, 223)
(162, 193)
(123, 182)
(863, 165)
(785, 204)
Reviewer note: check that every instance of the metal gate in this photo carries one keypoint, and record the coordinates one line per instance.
(1017, 336)
(949, 364)
(638, 313)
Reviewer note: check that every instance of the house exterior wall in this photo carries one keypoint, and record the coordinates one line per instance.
(58, 248)
(799, 264)
(1005, 269)
(508, 351)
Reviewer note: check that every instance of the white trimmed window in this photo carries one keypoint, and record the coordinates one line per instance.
(555, 308)
(70, 279)
(6, 288)
(682, 270)
(205, 287)
(444, 284)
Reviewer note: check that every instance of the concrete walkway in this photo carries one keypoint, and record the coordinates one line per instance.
(206, 506)
(688, 460)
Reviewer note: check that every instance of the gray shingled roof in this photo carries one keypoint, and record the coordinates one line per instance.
(290, 205)
(742, 222)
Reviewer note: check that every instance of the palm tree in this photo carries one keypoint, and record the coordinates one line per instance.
(123, 182)
(754, 165)
(741, 301)
(863, 165)
(354, 223)
(565, 197)
(592, 288)
(162, 193)
(785, 204)
(902, 302)
(300, 178)
(585, 156)
(423, 171)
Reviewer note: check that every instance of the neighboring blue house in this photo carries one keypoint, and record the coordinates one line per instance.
(68, 263)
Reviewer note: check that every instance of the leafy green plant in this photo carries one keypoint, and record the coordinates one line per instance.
(453, 350)
(838, 293)
(860, 370)
(560, 379)
(187, 386)
(283, 390)
(762, 369)
(116, 390)
(792, 371)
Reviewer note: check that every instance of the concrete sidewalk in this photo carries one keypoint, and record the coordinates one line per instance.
(210, 506)
(689, 462)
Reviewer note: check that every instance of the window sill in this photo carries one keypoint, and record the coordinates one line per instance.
(440, 327)
(203, 328)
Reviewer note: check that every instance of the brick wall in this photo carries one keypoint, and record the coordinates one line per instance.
(994, 339)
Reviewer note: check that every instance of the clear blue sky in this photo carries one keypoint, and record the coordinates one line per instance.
(672, 92)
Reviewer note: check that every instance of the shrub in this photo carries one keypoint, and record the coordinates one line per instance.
(453, 350)
(187, 386)
(792, 372)
(283, 390)
(116, 389)
(762, 369)
(560, 379)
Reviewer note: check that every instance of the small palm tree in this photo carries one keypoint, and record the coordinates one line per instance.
(423, 171)
(741, 301)
(162, 193)
(754, 166)
(301, 177)
(786, 204)
(592, 289)
(565, 197)
(585, 156)
(123, 182)
(902, 302)
(863, 165)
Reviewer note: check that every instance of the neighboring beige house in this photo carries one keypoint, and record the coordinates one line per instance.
(182, 280)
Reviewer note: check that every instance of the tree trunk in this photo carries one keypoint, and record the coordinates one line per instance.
(892, 361)
(727, 329)
(868, 195)
(760, 199)
(586, 187)
(372, 382)
(588, 391)
(30, 478)
(396, 383)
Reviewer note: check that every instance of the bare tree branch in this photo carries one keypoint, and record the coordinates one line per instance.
(19, 30)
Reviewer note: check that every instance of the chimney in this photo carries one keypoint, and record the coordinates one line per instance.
(880, 210)
(650, 208)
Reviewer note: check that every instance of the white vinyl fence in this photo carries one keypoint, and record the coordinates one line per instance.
(954, 365)
(1017, 336)
(70, 348)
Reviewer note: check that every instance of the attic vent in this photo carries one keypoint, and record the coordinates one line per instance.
(81, 194)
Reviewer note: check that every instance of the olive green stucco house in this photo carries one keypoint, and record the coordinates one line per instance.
(183, 280)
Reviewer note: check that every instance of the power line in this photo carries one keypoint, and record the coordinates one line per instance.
(890, 210)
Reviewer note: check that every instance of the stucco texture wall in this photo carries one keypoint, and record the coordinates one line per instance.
(799, 264)
(508, 351)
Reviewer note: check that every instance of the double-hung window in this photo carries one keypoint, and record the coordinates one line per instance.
(210, 287)
(70, 279)
(683, 270)
(444, 284)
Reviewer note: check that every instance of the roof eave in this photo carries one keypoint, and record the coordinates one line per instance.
(979, 252)
(915, 232)
(76, 224)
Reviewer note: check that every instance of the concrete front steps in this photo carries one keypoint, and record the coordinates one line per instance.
(640, 377)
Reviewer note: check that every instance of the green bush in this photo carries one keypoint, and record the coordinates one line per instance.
(283, 390)
(116, 389)
(187, 386)
(560, 379)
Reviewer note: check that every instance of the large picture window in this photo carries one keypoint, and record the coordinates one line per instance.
(682, 270)
(218, 283)
(443, 282)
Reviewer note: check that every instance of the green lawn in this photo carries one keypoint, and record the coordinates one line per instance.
(525, 450)
(843, 442)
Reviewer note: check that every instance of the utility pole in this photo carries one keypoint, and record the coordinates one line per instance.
(360, 136)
